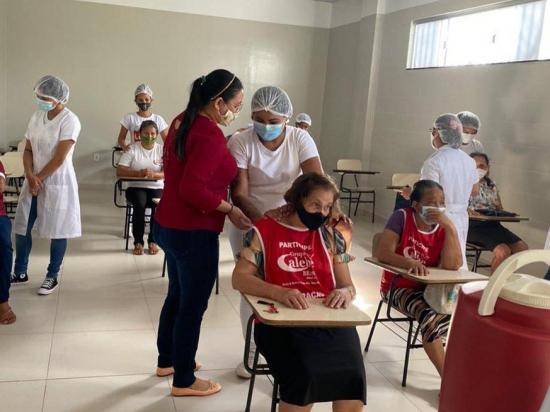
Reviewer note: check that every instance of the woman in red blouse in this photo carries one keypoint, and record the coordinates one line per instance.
(198, 169)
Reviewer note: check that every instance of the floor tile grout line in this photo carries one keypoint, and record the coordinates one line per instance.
(399, 389)
(51, 342)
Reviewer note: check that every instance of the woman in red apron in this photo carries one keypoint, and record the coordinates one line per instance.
(290, 261)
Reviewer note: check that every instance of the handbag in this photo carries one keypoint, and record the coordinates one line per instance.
(442, 297)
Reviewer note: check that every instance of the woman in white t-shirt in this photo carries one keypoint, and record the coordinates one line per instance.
(270, 155)
(143, 159)
(131, 122)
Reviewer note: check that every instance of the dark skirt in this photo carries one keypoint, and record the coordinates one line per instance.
(490, 234)
(314, 364)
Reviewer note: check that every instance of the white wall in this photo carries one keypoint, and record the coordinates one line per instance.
(104, 51)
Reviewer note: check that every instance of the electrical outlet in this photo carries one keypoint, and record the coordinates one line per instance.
(96, 157)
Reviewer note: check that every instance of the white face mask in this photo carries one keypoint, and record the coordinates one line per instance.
(467, 138)
(481, 173)
(228, 118)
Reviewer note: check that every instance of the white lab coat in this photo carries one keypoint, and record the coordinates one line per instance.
(456, 172)
(58, 205)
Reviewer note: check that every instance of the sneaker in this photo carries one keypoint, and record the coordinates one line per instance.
(48, 286)
(18, 278)
(241, 371)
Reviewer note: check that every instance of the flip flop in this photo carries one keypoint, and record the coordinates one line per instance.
(163, 372)
(8, 317)
(138, 250)
(213, 388)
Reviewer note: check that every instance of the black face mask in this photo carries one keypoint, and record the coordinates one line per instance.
(143, 106)
(313, 221)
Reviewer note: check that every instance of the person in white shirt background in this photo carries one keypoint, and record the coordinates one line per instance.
(143, 159)
(270, 156)
(454, 170)
(49, 196)
(303, 121)
(131, 122)
(470, 127)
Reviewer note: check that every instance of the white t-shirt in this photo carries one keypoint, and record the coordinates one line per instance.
(139, 158)
(132, 122)
(474, 146)
(271, 173)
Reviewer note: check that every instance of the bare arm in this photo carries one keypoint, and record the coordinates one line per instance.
(121, 139)
(312, 165)
(386, 250)
(61, 152)
(2, 184)
(163, 134)
(35, 183)
(451, 255)
(125, 171)
(239, 196)
(475, 190)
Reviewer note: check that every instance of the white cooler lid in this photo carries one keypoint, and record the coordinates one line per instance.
(527, 290)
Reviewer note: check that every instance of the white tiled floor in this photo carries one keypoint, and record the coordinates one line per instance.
(90, 346)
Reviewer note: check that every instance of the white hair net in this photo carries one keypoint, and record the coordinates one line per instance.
(272, 99)
(303, 118)
(450, 129)
(143, 89)
(469, 119)
(52, 87)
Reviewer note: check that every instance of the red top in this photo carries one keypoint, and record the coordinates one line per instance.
(2, 206)
(195, 186)
(425, 247)
(301, 261)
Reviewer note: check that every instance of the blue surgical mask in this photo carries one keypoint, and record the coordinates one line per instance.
(268, 132)
(45, 105)
(424, 212)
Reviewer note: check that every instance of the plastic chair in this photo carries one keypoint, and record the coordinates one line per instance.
(410, 329)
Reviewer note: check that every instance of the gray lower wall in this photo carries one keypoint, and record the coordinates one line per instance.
(103, 52)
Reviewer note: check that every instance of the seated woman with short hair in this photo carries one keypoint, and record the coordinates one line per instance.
(416, 238)
(291, 261)
(490, 235)
(143, 159)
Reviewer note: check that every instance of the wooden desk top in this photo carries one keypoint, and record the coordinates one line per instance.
(357, 172)
(397, 188)
(436, 276)
(498, 218)
(317, 315)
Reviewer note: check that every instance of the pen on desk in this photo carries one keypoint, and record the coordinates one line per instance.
(272, 307)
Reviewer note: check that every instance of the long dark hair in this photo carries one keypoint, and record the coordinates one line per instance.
(219, 83)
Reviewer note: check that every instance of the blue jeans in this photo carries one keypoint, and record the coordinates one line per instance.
(192, 260)
(6, 258)
(547, 276)
(23, 246)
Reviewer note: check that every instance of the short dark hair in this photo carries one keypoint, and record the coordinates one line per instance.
(307, 183)
(480, 154)
(148, 123)
(421, 187)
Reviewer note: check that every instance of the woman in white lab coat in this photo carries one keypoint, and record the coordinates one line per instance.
(454, 170)
(49, 197)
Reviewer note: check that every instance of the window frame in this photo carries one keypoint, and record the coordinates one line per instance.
(459, 13)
